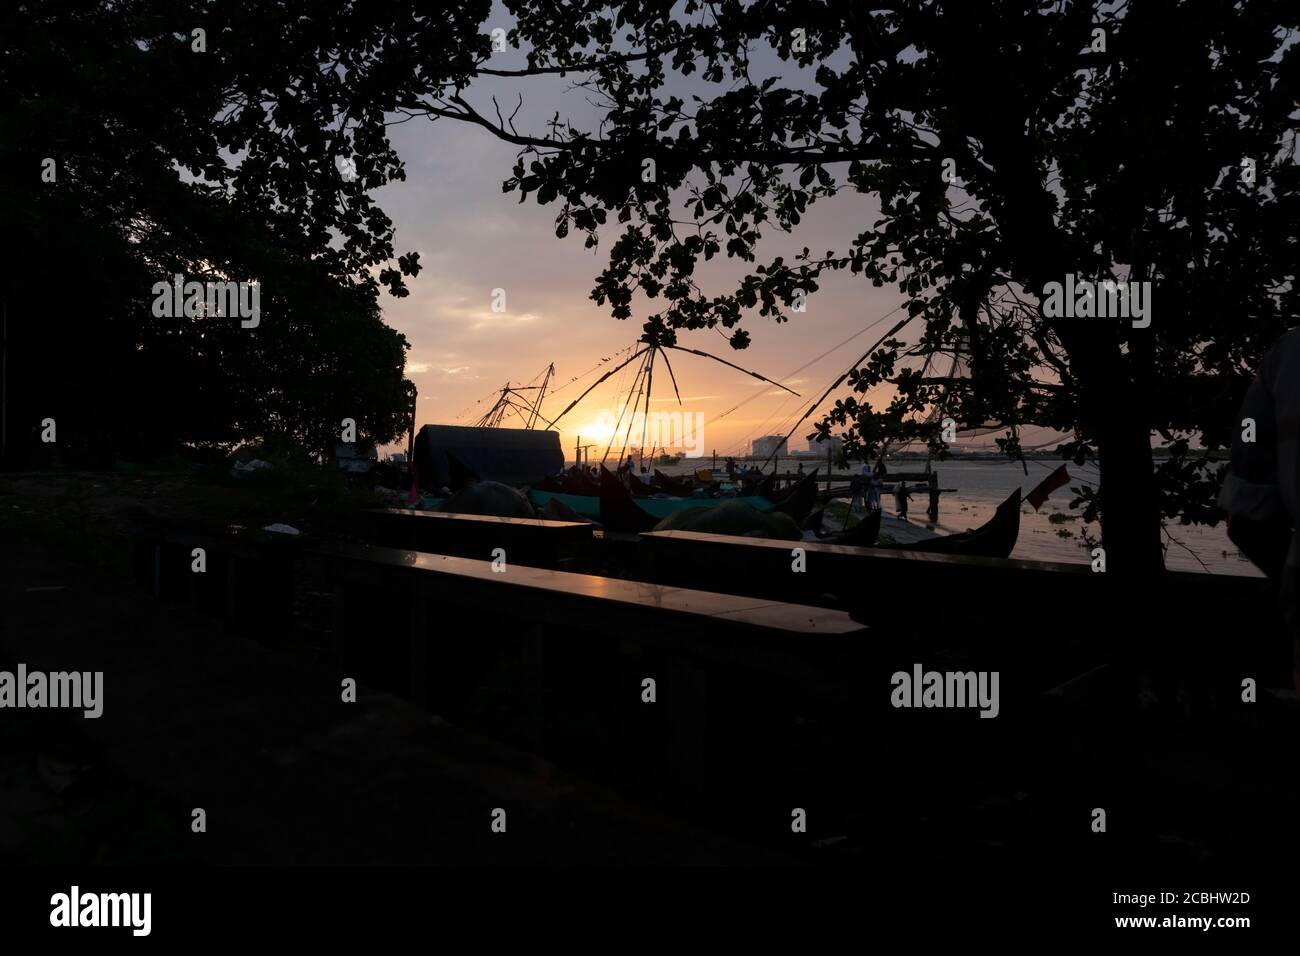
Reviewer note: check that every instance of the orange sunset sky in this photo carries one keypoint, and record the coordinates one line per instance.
(472, 238)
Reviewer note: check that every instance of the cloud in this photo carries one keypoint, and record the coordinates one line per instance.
(494, 320)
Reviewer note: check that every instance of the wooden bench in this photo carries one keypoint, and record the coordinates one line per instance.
(836, 575)
(741, 560)
(568, 602)
(288, 773)
(568, 652)
(532, 541)
(248, 581)
(1035, 609)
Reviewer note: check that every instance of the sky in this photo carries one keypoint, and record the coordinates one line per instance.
(473, 238)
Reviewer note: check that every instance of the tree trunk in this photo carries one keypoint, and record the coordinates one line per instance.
(1111, 407)
(1130, 513)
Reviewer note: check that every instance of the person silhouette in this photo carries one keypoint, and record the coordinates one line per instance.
(1261, 493)
(902, 494)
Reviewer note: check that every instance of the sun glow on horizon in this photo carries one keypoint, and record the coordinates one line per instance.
(596, 431)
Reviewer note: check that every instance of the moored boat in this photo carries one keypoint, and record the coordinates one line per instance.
(799, 501)
(617, 510)
(861, 535)
(996, 538)
(670, 485)
(572, 482)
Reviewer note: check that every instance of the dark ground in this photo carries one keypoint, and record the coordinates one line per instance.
(197, 717)
(1197, 787)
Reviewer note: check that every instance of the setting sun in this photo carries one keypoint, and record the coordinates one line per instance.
(596, 431)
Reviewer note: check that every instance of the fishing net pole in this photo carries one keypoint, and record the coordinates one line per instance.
(898, 327)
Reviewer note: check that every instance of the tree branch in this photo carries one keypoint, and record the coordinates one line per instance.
(775, 157)
(584, 67)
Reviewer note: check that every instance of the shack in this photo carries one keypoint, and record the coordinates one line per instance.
(513, 456)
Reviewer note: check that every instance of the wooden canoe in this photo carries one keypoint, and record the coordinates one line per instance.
(800, 500)
(996, 538)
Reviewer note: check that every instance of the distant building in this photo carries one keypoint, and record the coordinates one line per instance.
(770, 445)
(820, 446)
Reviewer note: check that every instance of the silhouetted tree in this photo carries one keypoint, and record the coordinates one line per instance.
(1150, 140)
(134, 147)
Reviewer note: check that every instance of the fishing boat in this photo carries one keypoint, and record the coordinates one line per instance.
(800, 500)
(589, 506)
(861, 535)
(670, 485)
(572, 482)
(996, 538)
(617, 510)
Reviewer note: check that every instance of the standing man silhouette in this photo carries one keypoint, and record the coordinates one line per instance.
(902, 494)
(1262, 491)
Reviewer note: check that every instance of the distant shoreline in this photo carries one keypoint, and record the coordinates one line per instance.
(1156, 453)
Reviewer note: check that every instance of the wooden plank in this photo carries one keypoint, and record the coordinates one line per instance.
(884, 556)
(533, 541)
(569, 586)
(867, 579)
(451, 518)
(740, 544)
